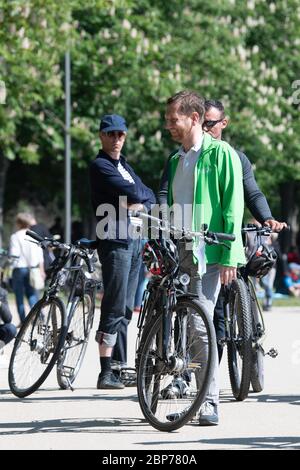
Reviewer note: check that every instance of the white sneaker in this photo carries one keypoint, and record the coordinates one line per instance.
(178, 388)
(208, 414)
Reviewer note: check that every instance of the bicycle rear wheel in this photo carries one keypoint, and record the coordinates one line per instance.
(257, 370)
(37, 346)
(76, 341)
(258, 330)
(190, 345)
(239, 348)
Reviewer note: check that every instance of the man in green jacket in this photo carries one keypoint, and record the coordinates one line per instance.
(205, 182)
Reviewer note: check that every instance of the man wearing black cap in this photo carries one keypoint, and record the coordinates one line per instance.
(115, 188)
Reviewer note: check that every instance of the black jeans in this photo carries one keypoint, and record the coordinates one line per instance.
(120, 271)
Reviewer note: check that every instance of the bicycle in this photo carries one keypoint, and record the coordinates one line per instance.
(176, 336)
(55, 333)
(245, 329)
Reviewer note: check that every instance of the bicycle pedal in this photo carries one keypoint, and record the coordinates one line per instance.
(272, 353)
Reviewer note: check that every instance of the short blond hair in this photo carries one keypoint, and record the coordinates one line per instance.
(24, 219)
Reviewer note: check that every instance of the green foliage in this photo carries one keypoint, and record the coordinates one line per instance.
(128, 57)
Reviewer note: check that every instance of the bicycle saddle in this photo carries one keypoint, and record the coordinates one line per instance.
(86, 243)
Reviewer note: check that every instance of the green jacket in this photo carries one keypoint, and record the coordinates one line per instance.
(218, 198)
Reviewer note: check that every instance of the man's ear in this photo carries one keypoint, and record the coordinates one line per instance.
(225, 122)
(195, 117)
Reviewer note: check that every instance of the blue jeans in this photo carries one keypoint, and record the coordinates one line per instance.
(7, 332)
(21, 287)
(120, 272)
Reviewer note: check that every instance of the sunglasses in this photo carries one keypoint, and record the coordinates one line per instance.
(210, 124)
(119, 134)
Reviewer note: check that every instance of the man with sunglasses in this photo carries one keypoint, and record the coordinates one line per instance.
(215, 122)
(115, 188)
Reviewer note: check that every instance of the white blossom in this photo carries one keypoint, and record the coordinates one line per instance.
(65, 27)
(126, 24)
(106, 34)
(32, 147)
(25, 43)
(280, 146)
(158, 135)
(2, 92)
(50, 131)
(21, 32)
(142, 139)
(26, 11)
(133, 33)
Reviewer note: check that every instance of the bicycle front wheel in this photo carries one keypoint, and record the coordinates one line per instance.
(37, 346)
(74, 348)
(239, 348)
(179, 347)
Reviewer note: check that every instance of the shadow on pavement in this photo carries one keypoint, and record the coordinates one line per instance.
(278, 442)
(261, 398)
(74, 425)
(7, 397)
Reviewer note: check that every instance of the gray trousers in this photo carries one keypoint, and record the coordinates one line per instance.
(207, 288)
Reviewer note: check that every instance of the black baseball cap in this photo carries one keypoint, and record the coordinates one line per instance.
(112, 122)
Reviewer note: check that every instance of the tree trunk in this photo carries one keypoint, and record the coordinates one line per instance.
(4, 164)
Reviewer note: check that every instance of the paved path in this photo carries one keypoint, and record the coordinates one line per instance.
(92, 419)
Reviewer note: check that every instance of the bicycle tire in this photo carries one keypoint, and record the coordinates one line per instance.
(257, 367)
(239, 347)
(37, 346)
(152, 373)
(257, 370)
(74, 348)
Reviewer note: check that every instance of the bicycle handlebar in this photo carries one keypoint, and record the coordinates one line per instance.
(223, 236)
(207, 236)
(80, 249)
(264, 230)
(34, 235)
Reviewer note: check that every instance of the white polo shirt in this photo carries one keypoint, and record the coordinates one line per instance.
(183, 183)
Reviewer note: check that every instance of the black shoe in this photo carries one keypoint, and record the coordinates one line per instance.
(109, 381)
(177, 415)
(208, 415)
